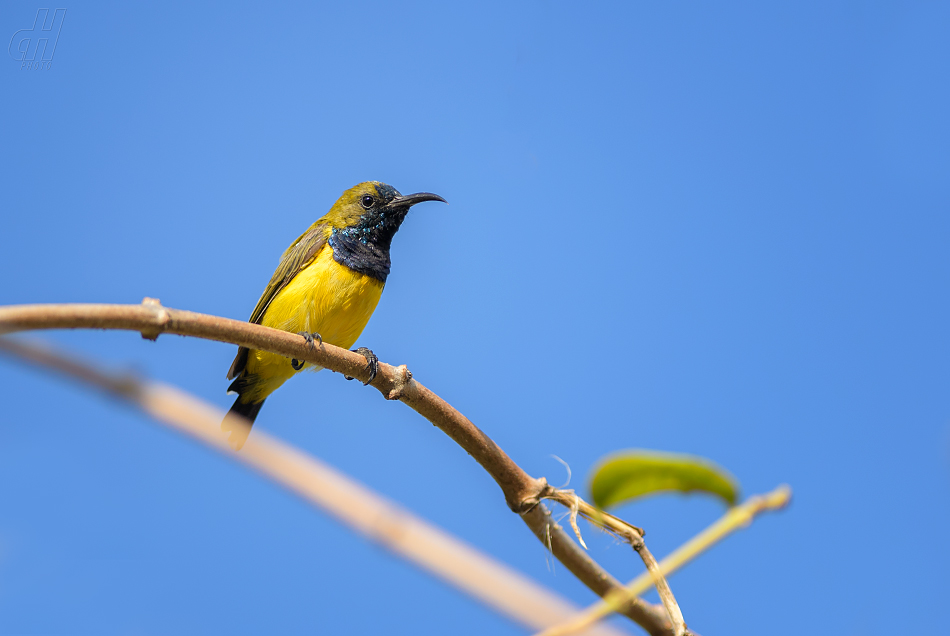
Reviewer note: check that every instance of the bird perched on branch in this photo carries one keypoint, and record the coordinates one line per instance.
(325, 288)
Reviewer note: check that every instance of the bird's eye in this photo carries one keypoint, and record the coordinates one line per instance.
(367, 201)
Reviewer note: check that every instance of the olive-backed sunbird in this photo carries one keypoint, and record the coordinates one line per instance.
(326, 287)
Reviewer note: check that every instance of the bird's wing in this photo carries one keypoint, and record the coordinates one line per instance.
(296, 257)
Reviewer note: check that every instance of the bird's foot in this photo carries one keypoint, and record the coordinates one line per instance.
(372, 363)
(310, 338)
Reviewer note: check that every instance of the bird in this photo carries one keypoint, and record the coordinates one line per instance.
(325, 288)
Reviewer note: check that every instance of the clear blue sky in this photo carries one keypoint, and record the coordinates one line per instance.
(721, 230)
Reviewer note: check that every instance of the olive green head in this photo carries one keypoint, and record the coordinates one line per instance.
(372, 205)
(361, 224)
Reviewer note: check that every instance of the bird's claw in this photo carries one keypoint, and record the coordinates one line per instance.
(310, 338)
(372, 363)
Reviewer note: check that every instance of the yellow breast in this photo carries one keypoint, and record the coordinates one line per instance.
(324, 297)
(328, 298)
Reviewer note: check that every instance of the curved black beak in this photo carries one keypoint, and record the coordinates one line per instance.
(412, 199)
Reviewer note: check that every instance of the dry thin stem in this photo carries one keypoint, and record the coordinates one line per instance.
(522, 492)
(663, 588)
(377, 518)
(734, 519)
(632, 535)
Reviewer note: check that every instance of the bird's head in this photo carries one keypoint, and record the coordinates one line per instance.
(373, 211)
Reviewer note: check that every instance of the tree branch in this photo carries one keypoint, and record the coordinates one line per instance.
(735, 518)
(522, 492)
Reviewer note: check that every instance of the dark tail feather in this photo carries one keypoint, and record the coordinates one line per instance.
(240, 428)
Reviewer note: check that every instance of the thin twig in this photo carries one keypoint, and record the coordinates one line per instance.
(522, 492)
(734, 519)
(632, 535)
(377, 518)
(663, 588)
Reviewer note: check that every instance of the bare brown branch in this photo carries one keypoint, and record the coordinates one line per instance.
(522, 492)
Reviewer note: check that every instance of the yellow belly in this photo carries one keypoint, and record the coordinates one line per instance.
(325, 298)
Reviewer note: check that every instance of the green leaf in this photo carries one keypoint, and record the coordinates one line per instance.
(632, 474)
